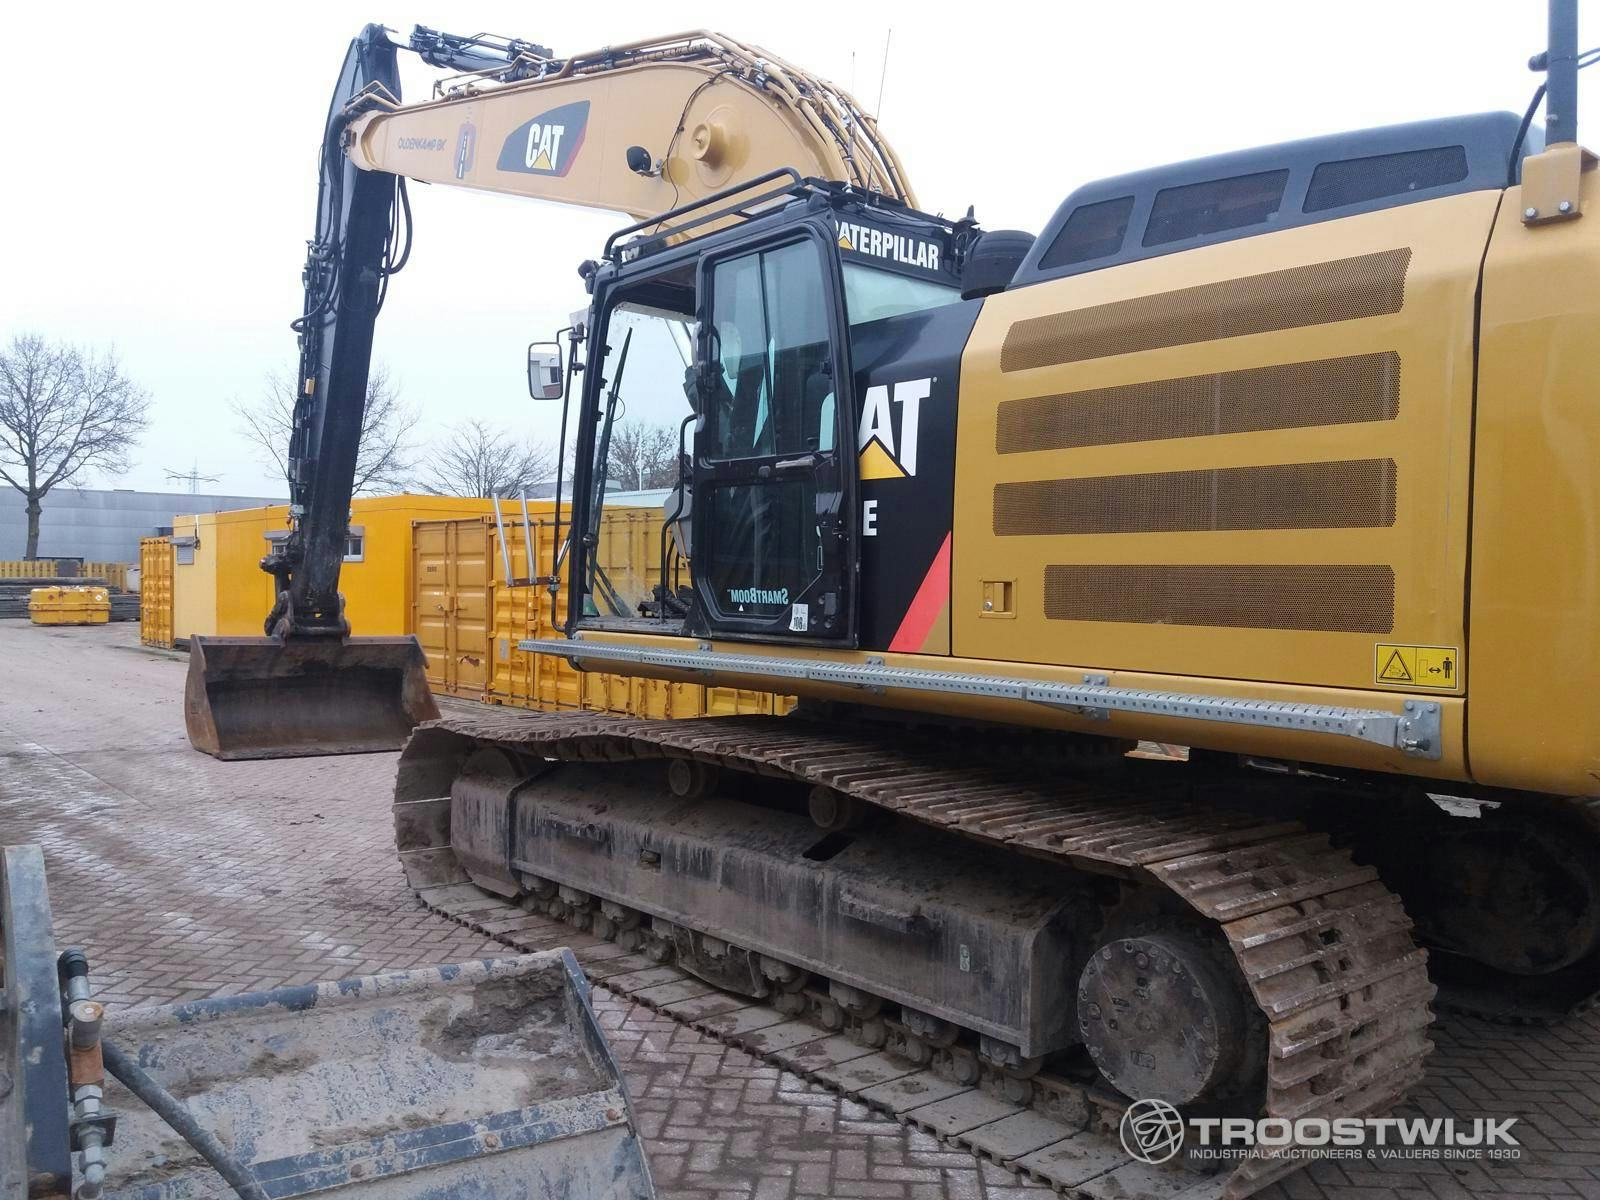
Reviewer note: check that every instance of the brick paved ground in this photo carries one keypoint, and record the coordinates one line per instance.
(184, 877)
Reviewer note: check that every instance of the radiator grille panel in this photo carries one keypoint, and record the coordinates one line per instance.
(1352, 494)
(1329, 391)
(1337, 599)
(1364, 286)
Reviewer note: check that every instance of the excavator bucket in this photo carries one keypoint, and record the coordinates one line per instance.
(259, 697)
(482, 1080)
(486, 1079)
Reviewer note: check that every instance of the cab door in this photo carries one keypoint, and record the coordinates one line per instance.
(774, 484)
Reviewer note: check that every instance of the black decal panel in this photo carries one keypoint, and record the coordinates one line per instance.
(907, 372)
(548, 144)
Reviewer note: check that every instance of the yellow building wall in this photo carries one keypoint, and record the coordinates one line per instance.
(194, 582)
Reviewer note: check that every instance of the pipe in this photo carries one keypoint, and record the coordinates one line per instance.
(1561, 74)
(527, 537)
(500, 529)
(169, 1109)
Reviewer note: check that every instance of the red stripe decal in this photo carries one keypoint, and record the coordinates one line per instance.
(926, 605)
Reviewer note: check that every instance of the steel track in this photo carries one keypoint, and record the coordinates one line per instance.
(1324, 948)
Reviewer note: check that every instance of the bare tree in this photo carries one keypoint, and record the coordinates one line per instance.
(386, 454)
(477, 459)
(63, 412)
(642, 455)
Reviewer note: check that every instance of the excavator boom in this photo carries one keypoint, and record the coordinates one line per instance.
(636, 128)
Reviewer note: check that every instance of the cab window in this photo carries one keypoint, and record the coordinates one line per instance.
(873, 294)
(775, 364)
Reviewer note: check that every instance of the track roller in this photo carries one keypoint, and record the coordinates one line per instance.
(690, 778)
(835, 812)
(1003, 1056)
(933, 1030)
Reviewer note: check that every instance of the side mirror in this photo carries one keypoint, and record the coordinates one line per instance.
(544, 371)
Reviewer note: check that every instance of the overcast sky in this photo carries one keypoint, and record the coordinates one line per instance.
(163, 160)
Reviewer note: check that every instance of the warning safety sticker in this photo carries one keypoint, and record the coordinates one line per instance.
(1418, 666)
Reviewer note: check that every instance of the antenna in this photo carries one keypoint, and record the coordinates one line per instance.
(883, 71)
(192, 477)
(1561, 78)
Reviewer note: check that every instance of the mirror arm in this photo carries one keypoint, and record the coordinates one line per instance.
(575, 337)
(677, 513)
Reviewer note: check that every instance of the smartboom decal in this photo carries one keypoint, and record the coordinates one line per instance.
(758, 595)
(548, 144)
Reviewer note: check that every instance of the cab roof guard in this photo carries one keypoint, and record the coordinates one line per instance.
(796, 186)
(790, 183)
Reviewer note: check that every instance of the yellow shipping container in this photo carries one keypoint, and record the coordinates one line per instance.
(470, 619)
(155, 591)
(219, 588)
(69, 605)
(114, 574)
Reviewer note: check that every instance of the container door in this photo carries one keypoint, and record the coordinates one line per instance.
(469, 608)
(430, 610)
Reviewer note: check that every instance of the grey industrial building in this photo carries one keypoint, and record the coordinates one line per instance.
(102, 524)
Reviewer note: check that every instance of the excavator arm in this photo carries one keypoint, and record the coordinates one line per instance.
(638, 128)
(348, 265)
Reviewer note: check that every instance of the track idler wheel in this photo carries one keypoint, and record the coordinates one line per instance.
(1162, 1018)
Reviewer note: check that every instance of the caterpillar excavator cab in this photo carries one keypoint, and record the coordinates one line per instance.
(798, 308)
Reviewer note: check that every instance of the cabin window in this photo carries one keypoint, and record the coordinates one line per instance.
(1092, 231)
(1215, 206)
(1357, 180)
(770, 316)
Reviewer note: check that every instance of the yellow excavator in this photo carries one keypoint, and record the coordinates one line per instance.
(1282, 460)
